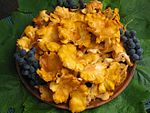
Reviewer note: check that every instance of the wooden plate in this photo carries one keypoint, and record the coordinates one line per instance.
(92, 104)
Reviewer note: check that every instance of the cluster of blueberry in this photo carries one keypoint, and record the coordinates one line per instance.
(131, 44)
(11, 110)
(71, 4)
(28, 65)
(147, 106)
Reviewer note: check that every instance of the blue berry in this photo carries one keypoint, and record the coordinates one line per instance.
(88, 84)
(25, 72)
(30, 54)
(125, 45)
(135, 57)
(33, 49)
(66, 4)
(16, 56)
(60, 2)
(121, 32)
(131, 51)
(131, 44)
(127, 49)
(133, 33)
(82, 5)
(130, 40)
(138, 45)
(23, 53)
(135, 39)
(35, 64)
(70, 3)
(127, 34)
(37, 82)
(11, 110)
(26, 66)
(31, 59)
(20, 60)
(32, 70)
(124, 38)
(139, 51)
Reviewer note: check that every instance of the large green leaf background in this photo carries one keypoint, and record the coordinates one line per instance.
(135, 13)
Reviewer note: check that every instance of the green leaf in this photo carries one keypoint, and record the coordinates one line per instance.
(51, 5)
(32, 5)
(20, 21)
(7, 38)
(138, 11)
(32, 105)
(111, 3)
(12, 93)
